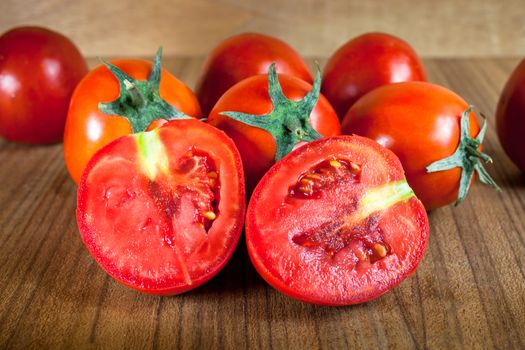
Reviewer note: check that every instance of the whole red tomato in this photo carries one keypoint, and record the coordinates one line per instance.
(243, 56)
(267, 116)
(510, 117)
(431, 130)
(39, 70)
(120, 98)
(366, 62)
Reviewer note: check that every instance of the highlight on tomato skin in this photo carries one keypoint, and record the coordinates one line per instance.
(335, 223)
(162, 211)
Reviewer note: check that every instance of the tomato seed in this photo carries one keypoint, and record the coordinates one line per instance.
(356, 168)
(306, 190)
(210, 215)
(307, 182)
(334, 163)
(313, 176)
(379, 249)
(361, 255)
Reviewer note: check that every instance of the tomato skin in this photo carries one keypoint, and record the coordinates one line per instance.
(420, 123)
(220, 240)
(366, 62)
(510, 116)
(39, 70)
(88, 129)
(257, 146)
(282, 263)
(243, 56)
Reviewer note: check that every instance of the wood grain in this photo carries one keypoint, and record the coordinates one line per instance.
(448, 28)
(468, 292)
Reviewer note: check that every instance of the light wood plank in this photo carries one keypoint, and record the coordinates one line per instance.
(448, 28)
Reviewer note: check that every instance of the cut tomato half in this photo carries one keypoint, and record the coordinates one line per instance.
(335, 222)
(162, 211)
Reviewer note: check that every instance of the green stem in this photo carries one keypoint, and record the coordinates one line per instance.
(289, 121)
(467, 157)
(139, 101)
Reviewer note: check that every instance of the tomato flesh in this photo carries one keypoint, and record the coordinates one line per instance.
(150, 207)
(335, 223)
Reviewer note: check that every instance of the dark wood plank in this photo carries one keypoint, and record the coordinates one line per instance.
(469, 291)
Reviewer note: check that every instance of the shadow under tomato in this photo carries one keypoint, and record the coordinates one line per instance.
(237, 276)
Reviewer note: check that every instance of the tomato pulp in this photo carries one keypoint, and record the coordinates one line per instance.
(335, 222)
(162, 211)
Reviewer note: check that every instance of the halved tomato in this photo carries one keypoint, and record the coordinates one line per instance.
(335, 222)
(162, 211)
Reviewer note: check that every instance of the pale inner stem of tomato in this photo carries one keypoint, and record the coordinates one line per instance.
(152, 154)
(379, 199)
(190, 175)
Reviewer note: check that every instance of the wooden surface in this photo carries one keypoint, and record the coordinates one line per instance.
(444, 28)
(468, 292)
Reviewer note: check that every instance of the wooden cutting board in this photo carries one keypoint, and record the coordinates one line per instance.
(468, 292)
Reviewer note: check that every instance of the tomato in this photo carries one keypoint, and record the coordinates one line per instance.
(115, 100)
(272, 115)
(366, 62)
(335, 222)
(510, 117)
(39, 70)
(162, 211)
(243, 56)
(424, 124)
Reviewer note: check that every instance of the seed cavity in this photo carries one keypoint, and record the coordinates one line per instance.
(365, 238)
(325, 174)
(194, 174)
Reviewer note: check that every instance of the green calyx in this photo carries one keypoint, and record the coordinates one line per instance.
(289, 121)
(467, 157)
(139, 100)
